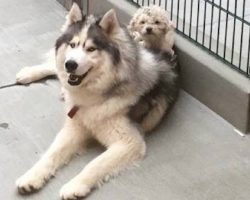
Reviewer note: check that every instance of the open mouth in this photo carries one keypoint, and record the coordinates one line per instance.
(75, 80)
(147, 34)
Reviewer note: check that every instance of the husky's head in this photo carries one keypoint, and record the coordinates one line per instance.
(87, 52)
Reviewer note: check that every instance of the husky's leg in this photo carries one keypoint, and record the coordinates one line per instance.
(69, 141)
(31, 74)
(125, 147)
(38, 72)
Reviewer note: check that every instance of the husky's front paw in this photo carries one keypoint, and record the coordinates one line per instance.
(74, 190)
(31, 181)
(26, 75)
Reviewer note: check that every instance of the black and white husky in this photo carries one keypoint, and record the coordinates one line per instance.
(115, 91)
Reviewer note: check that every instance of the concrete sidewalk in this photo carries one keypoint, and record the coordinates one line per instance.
(194, 155)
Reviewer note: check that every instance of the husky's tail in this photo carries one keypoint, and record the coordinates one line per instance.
(159, 107)
(155, 114)
(164, 97)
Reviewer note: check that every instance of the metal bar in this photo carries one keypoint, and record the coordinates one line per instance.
(204, 23)
(148, 2)
(87, 9)
(225, 41)
(218, 31)
(184, 15)
(211, 27)
(197, 22)
(241, 36)
(142, 2)
(154, 2)
(178, 8)
(191, 17)
(166, 4)
(248, 52)
(232, 54)
(159, 3)
(172, 9)
(87, 2)
(227, 11)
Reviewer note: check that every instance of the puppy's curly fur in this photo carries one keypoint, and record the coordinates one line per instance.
(151, 27)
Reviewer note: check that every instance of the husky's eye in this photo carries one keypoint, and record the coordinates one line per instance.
(142, 22)
(91, 49)
(157, 22)
(72, 45)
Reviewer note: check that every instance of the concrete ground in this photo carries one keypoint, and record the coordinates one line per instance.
(194, 155)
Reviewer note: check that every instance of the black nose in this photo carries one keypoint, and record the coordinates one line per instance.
(149, 30)
(71, 66)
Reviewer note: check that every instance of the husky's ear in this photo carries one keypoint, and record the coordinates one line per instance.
(74, 15)
(109, 22)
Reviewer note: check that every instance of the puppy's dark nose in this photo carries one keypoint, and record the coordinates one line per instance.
(149, 30)
(71, 66)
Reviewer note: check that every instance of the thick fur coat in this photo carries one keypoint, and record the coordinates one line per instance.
(115, 90)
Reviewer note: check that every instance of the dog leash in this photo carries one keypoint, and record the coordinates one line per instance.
(9, 85)
(71, 113)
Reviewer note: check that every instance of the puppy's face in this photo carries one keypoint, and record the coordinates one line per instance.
(150, 22)
(149, 25)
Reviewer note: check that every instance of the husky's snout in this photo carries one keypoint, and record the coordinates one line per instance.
(77, 68)
(71, 66)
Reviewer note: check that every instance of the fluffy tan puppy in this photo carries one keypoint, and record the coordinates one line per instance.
(151, 27)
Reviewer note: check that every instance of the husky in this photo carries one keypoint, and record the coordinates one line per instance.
(115, 91)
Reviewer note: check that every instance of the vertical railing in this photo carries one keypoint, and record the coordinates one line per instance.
(218, 26)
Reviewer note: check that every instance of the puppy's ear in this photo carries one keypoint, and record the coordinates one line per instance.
(131, 26)
(172, 25)
(74, 15)
(109, 22)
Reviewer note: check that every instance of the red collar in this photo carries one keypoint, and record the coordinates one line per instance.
(73, 111)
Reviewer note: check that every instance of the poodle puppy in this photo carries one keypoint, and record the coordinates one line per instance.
(151, 27)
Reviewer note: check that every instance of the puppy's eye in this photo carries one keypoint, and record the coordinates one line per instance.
(91, 49)
(142, 22)
(157, 22)
(72, 45)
